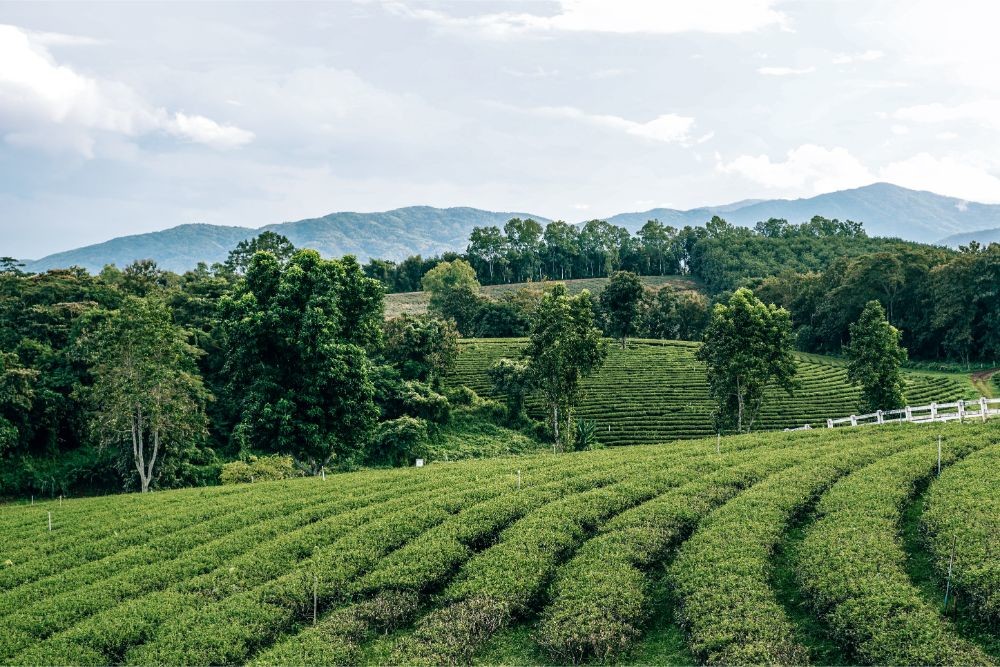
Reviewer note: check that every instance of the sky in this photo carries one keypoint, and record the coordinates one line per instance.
(124, 118)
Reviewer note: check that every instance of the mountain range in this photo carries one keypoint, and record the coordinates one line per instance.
(885, 210)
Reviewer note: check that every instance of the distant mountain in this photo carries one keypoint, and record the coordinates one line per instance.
(885, 210)
(390, 235)
(984, 236)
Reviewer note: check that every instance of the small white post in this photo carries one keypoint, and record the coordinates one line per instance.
(420, 463)
(854, 420)
(829, 423)
(50, 522)
(879, 416)
(983, 407)
(60, 499)
(939, 456)
(322, 472)
(961, 411)
(909, 413)
(251, 479)
(933, 411)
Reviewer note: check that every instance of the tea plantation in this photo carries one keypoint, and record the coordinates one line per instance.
(765, 548)
(656, 391)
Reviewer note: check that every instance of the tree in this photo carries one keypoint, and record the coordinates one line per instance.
(239, 257)
(297, 374)
(524, 245)
(422, 347)
(620, 301)
(747, 349)
(488, 246)
(512, 378)
(564, 347)
(16, 395)
(449, 276)
(11, 265)
(147, 396)
(875, 356)
(561, 247)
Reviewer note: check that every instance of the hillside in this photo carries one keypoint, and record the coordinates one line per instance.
(415, 303)
(983, 236)
(886, 210)
(656, 391)
(391, 235)
(700, 551)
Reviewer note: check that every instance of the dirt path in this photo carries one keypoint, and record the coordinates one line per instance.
(981, 381)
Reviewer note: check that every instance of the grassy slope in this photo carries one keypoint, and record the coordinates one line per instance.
(112, 583)
(415, 303)
(656, 390)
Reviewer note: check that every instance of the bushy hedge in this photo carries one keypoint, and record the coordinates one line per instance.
(259, 469)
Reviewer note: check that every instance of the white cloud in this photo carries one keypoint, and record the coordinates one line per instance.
(670, 128)
(946, 136)
(51, 106)
(949, 176)
(622, 16)
(899, 130)
(785, 71)
(982, 112)
(807, 167)
(865, 56)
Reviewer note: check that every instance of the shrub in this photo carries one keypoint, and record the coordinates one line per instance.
(259, 469)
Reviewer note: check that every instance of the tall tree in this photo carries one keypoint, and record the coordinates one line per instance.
(620, 302)
(747, 349)
(487, 246)
(524, 243)
(147, 396)
(564, 347)
(298, 376)
(422, 347)
(875, 356)
(278, 245)
(561, 248)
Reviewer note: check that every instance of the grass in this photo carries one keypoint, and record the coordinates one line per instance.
(415, 303)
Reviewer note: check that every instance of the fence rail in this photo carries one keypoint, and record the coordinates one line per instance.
(919, 414)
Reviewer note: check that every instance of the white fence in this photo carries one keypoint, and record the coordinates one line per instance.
(935, 412)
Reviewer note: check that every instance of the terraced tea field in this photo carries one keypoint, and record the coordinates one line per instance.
(775, 548)
(656, 391)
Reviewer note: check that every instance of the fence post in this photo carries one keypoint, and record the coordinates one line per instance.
(983, 407)
(933, 411)
(909, 413)
(829, 423)
(854, 420)
(879, 417)
(961, 410)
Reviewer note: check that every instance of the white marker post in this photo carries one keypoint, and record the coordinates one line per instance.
(50, 522)
(718, 443)
(420, 463)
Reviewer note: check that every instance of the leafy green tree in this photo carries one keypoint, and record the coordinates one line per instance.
(564, 347)
(298, 376)
(16, 396)
(147, 396)
(875, 356)
(487, 246)
(11, 265)
(657, 242)
(747, 349)
(524, 246)
(561, 247)
(422, 347)
(448, 276)
(512, 378)
(239, 257)
(620, 302)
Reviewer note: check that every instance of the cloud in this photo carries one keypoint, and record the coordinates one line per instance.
(808, 166)
(669, 128)
(785, 71)
(982, 112)
(948, 175)
(865, 56)
(623, 16)
(53, 107)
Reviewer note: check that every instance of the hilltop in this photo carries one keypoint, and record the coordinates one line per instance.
(886, 210)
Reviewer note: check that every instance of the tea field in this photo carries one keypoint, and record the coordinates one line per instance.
(656, 391)
(764, 548)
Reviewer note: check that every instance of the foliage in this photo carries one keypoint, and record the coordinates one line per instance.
(399, 441)
(259, 469)
(620, 302)
(298, 376)
(511, 379)
(586, 434)
(421, 347)
(874, 357)
(147, 397)
(747, 348)
(564, 347)
(240, 257)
